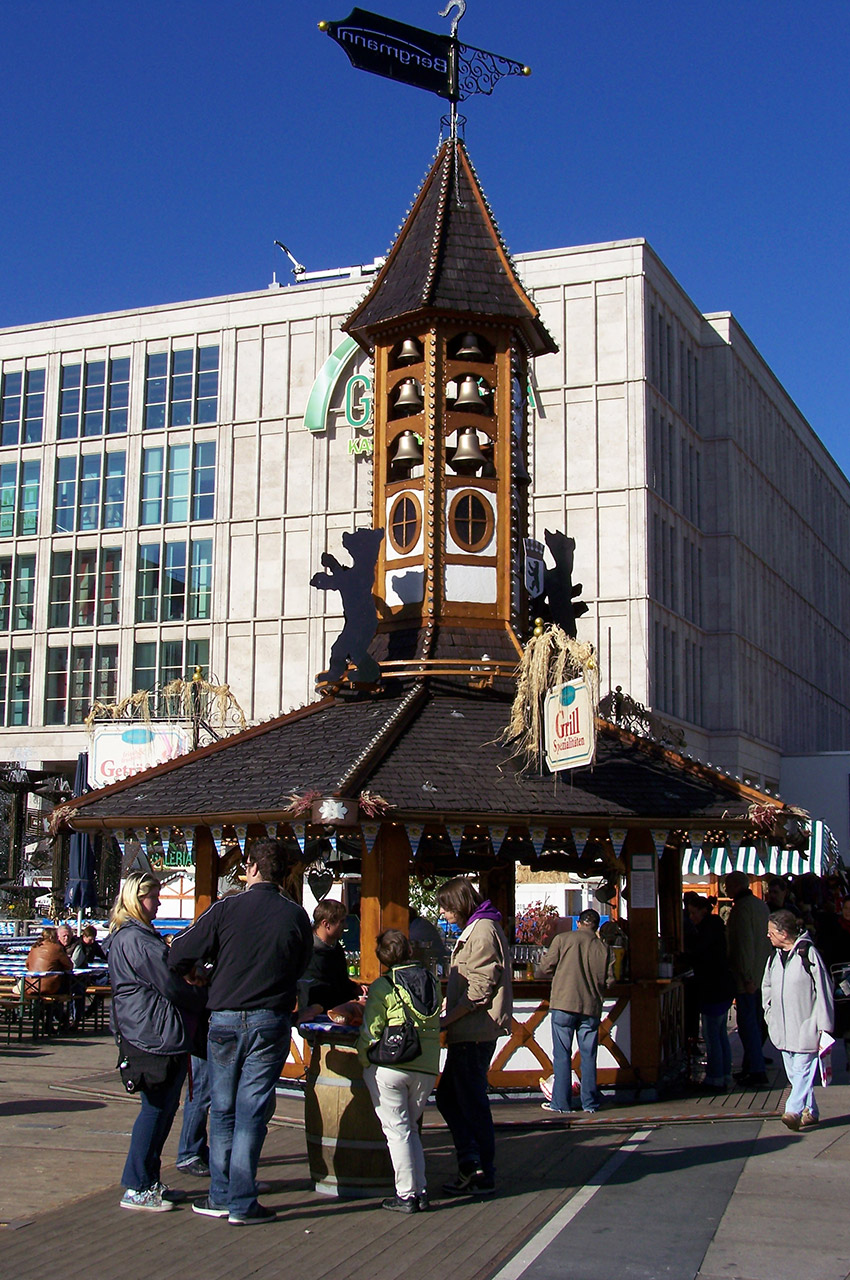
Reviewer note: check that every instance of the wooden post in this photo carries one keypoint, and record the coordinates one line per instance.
(670, 897)
(643, 921)
(384, 893)
(206, 870)
(498, 884)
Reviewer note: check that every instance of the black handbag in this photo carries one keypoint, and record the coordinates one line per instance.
(399, 1042)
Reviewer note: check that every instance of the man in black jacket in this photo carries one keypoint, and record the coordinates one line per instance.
(259, 943)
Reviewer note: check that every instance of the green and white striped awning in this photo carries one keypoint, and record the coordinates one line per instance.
(821, 857)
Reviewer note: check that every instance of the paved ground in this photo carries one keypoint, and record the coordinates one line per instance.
(701, 1187)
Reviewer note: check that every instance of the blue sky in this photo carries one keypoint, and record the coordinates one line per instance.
(152, 152)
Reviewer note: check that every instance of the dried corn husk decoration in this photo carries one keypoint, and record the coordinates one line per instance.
(183, 696)
(550, 659)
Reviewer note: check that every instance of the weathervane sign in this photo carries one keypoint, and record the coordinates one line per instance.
(424, 59)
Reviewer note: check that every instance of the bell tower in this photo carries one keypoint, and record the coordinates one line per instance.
(451, 330)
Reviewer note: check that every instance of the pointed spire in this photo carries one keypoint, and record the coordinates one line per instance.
(450, 257)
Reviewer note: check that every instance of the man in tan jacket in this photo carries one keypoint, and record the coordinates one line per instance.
(581, 966)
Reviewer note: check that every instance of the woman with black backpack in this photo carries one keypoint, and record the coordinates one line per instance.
(399, 1044)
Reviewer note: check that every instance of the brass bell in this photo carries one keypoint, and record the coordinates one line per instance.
(469, 348)
(410, 353)
(408, 400)
(408, 451)
(469, 395)
(467, 456)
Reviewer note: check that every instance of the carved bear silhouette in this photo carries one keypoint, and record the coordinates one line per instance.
(558, 586)
(354, 583)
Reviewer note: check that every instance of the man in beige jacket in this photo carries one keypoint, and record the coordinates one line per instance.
(581, 966)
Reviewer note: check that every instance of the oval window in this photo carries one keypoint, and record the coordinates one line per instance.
(405, 523)
(471, 521)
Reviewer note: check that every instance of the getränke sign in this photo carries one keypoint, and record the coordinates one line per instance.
(569, 726)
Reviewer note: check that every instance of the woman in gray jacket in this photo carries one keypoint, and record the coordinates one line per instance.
(798, 1008)
(148, 1004)
(478, 1010)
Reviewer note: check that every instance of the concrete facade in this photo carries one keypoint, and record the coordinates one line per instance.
(712, 530)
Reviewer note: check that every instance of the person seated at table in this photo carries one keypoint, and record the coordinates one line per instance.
(87, 951)
(67, 937)
(48, 956)
(325, 983)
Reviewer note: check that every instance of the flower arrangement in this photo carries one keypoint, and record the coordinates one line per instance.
(531, 923)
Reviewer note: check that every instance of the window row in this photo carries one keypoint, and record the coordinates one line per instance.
(22, 407)
(19, 486)
(673, 366)
(85, 587)
(77, 676)
(82, 501)
(15, 671)
(178, 483)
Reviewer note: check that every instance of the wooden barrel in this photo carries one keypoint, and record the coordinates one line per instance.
(346, 1147)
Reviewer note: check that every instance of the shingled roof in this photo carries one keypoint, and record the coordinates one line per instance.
(449, 258)
(433, 750)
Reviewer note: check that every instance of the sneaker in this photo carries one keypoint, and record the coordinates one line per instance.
(463, 1182)
(254, 1217)
(547, 1106)
(262, 1188)
(423, 1202)
(401, 1204)
(808, 1119)
(792, 1121)
(173, 1197)
(208, 1209)
(482, 1186)
(149, 1200)
(197, 1167)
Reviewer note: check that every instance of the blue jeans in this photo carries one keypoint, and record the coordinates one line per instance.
(247, 1050)
(153, 1125)
(193, 1135)
(802, 1072)
(749, 1013)
(464, 1105)
(586, 1030)
(718, 1054)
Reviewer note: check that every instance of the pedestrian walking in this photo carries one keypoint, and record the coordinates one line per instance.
(799, 1008)
(478, 1009)
(581, 966)
(259, 943)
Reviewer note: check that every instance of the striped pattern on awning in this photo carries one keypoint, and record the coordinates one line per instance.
(821, 857)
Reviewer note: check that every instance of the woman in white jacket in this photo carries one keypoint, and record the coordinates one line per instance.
(798, 1008)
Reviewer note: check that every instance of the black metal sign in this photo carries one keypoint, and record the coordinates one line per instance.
(396, 50)
(424, 59)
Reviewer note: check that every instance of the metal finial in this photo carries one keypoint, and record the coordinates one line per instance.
(460, 5)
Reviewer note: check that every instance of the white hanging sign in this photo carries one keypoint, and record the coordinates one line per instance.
(569, 726)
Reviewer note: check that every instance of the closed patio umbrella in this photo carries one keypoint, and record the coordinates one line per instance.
(81, 891)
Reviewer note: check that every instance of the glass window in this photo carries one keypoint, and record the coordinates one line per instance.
(119, 396)
(94, 398)
(85, 589)
(405, 523)
(56, 688)
(64, 506)
(10, 408)
(109, 595)
(147, 585)
(113, 491)
(144, 665)
(80, 700)
(5, 591)
(182, 388)
(70, 383)
(200, 581)
(24, 606)
(174, 582)
(177, 484)
(198, 655)
(207, 410)
(34, 407)
(470, 521)
(203, 481)
(28, 499)
(151, 505)
(8, 489)
(156, 391)
(59, 612)
(170, 661)
(89, 493)
(4, 667)
(106, 673)
(19, 687)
